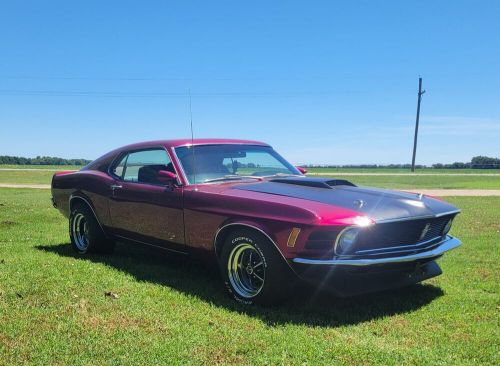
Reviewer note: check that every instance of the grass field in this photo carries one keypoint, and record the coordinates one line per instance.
(169, 310)
(37, 174)
(46, 167)
(312, 170)
(424, 178)
(427, 181)
(404, 171)
(408, 181)
(40, 176)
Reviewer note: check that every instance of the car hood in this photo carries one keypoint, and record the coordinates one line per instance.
(378, 204)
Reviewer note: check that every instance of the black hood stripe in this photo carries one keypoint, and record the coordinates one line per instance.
(378, 204)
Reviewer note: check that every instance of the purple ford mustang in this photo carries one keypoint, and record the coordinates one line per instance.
(242, 207)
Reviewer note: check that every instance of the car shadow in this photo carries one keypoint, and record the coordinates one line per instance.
(306, 306)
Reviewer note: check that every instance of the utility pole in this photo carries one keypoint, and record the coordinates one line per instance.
(420, 93)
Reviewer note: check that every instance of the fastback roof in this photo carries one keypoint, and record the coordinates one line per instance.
(180, 142)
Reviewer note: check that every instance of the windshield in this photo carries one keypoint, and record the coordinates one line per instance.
(211, 163)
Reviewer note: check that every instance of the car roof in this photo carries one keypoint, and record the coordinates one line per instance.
(183, 142)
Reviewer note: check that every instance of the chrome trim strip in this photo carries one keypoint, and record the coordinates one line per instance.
(403, 247)
(446, 245)
(256, 228)
(397, 252)
(418, 217)
(253, 143)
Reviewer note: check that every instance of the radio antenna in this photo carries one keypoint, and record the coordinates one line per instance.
(192, 137)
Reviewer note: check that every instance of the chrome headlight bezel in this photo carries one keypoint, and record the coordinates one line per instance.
(447, 227)
(346, 239)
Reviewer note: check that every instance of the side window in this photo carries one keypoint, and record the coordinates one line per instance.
(118, 169)
(143, 166)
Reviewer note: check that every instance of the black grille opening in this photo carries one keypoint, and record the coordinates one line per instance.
(321, 240)
(401, 233)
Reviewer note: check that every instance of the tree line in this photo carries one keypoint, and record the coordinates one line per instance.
(41, 160)
(477, 162)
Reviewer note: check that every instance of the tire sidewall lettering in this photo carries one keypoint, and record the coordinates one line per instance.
(236, 296)
(240, 239)
(248, 240)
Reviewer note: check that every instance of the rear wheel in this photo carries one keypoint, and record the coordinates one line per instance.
(85, 233)
(253, 270)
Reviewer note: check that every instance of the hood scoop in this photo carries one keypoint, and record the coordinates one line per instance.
(313, 182)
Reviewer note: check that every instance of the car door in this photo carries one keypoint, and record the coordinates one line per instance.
(142, 208)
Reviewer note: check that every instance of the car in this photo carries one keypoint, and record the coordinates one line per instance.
(268, 227)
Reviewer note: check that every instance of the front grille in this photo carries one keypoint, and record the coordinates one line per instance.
(400, 234)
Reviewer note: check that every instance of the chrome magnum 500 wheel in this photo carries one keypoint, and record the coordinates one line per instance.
(246, 270)
(85, 233)
(252, 268)
(80, 232)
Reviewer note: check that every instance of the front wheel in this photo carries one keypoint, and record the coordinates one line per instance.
(253, 270)
(85, 233)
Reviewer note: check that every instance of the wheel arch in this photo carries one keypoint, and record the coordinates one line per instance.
(225, 230)
(77, 198)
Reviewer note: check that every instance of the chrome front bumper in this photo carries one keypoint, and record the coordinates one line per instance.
(448, 244)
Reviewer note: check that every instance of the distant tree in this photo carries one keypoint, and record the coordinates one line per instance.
(477, 162)
(485, 162)
(40, 160)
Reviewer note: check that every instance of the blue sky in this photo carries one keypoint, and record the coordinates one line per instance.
(323, 82)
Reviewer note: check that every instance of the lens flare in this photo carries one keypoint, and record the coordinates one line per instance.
(362, 221)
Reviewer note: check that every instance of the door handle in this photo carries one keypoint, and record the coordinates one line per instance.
(115, 186)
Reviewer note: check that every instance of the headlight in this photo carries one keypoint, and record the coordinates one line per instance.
(447, 227)
(346, 240)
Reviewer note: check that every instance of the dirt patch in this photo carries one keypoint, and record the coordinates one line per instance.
(459, 192)
(36, 186)
(7, 223)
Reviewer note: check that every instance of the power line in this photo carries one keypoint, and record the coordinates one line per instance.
(92, 78)
(115, 94)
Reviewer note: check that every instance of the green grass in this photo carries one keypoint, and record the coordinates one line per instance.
(46, 167)
(460, 178)
(170, 310)
(429, 181)
(38, 174)
(41, 176)
(404, 171)
(44, 176)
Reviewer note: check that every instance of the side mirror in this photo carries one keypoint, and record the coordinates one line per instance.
(301, 169)
(166, 177)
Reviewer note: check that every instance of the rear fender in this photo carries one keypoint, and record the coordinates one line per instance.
(80, 197)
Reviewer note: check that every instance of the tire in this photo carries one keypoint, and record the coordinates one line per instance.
(85, 232)
(253, 270)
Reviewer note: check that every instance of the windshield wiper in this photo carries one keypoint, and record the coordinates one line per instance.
(231, 177)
